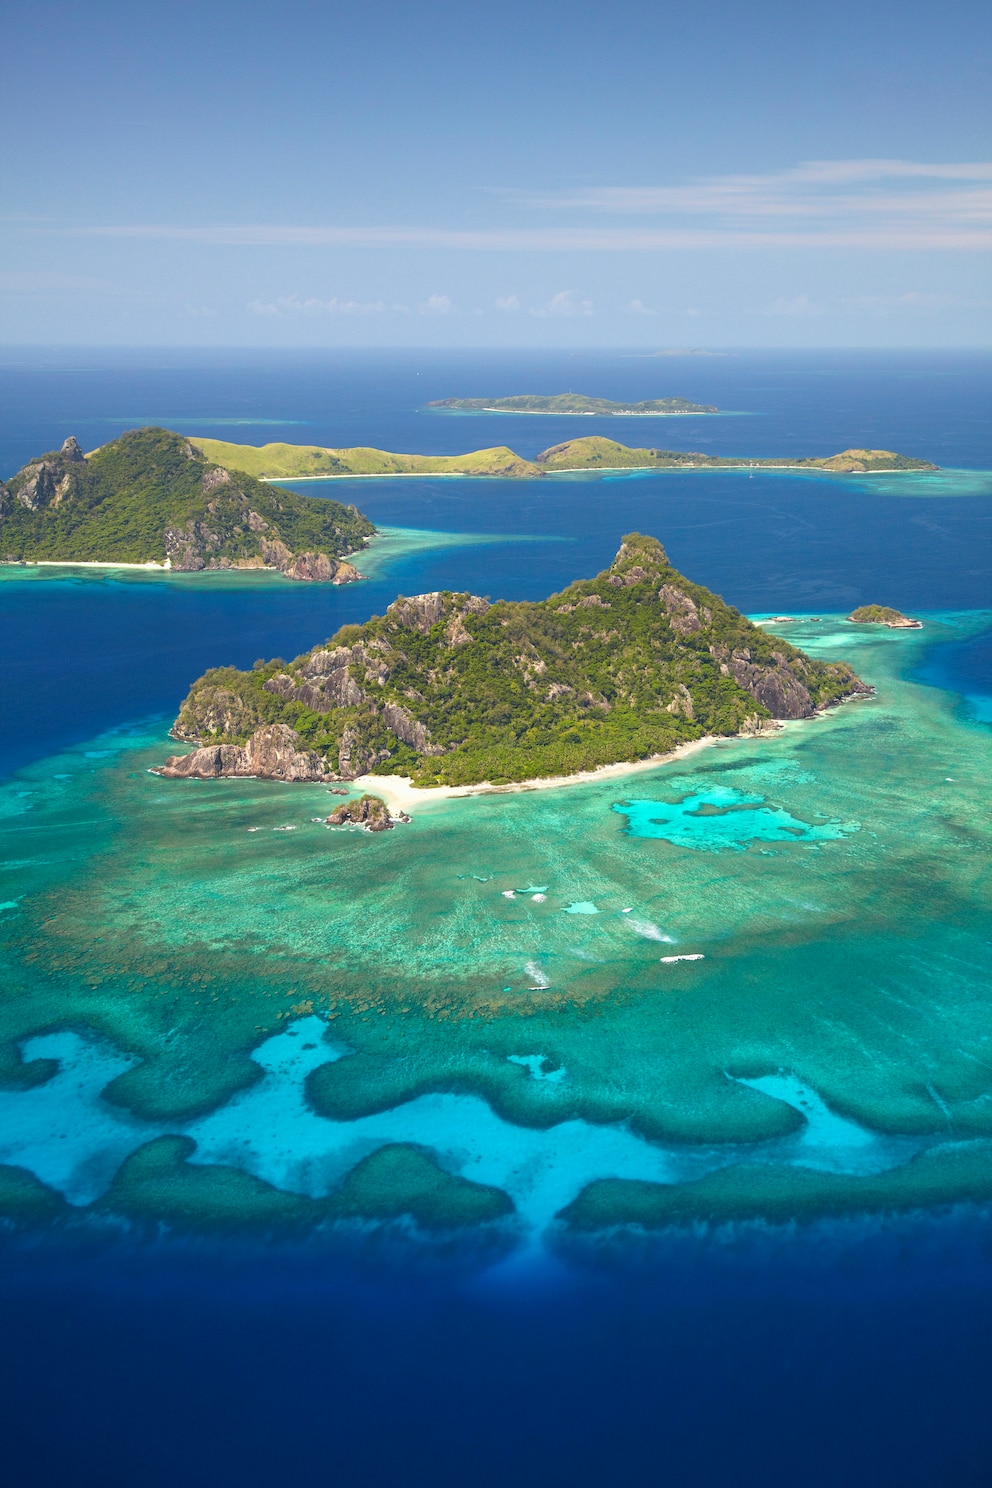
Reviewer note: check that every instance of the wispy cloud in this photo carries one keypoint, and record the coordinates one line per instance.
(868, 204)
(818, 189)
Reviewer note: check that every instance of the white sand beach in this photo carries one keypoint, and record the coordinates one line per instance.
(400, 794)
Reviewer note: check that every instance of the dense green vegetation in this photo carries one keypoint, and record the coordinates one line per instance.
(152, 495)
(448, 689)
(570, 403)
(876, 614)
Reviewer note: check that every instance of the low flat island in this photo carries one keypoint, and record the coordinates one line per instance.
(570, 403)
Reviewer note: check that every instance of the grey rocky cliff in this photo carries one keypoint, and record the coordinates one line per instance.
(275, 752)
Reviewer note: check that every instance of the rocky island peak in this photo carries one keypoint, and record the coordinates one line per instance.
(449, 688)
(152, 496)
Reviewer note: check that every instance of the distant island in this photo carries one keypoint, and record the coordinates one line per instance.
(448, 689)
(311, 461)
(153, 497)
(876, 614)
(571, 403)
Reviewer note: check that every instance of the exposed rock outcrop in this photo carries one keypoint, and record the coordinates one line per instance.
(369, 812)
(320, 569)
(776, 687)
(408, 729)
(274, 752)
(684, 615)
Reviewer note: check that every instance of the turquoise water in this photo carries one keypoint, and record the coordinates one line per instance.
(721, 818)
(773, 951)
(510, 1145)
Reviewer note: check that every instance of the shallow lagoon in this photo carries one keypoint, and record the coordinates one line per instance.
(832, 879)
(410, 1325)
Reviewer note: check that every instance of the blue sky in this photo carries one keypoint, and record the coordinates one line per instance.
(519, 174)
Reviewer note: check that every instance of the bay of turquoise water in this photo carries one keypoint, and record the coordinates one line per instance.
(636, 1131)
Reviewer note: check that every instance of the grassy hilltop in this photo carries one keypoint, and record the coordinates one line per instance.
(449, 689)
(293, 461)
(595, 452)
(285, 461)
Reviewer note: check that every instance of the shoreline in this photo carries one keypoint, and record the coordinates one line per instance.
(275, 480)
(165, 567)
(400, 793)
(592, 413)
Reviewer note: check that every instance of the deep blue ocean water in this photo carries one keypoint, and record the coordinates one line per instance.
(851, 1353)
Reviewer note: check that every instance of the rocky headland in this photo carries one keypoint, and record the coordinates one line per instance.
(154, 497)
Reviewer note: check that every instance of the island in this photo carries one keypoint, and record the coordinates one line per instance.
(449, 689)
(153, 497)
(315, 462)
(573, 403)
(593, 452)
(596, 453)
(876, 614)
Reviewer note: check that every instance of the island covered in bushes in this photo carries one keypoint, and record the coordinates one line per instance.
(153, 497)
(449, 689)
(571, 403)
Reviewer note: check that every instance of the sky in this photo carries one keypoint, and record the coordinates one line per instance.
(522, 173)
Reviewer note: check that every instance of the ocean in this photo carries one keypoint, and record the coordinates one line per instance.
(337, 1158)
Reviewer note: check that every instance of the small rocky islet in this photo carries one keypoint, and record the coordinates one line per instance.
(369, 812)
(876, 614)
(450, 689)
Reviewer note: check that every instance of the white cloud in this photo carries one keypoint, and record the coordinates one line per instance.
(436, 304)
(509, 303)
(638, 307)
(564, 303)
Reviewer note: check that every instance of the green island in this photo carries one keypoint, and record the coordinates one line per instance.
(876, 614)
(309, 461)
(448, 689)
(153, 497)
(570, 403)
